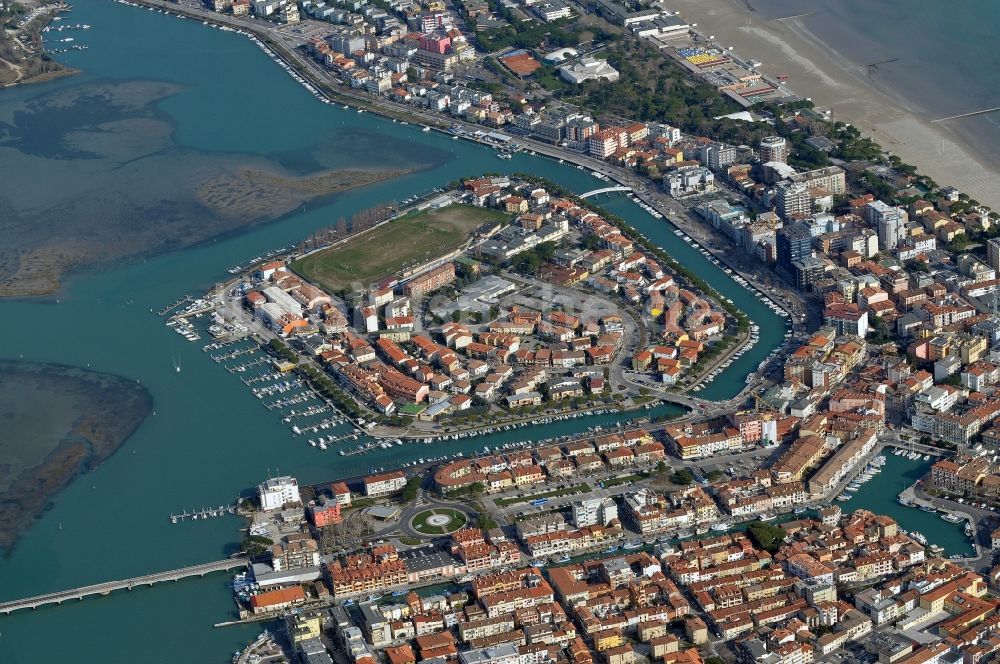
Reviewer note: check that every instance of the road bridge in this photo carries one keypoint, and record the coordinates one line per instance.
(605, 190)
(108, 587)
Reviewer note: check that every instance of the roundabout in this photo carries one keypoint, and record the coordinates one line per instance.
(438, 521)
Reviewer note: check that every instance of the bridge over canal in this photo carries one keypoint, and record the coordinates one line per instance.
(124, 584)
(605, 190)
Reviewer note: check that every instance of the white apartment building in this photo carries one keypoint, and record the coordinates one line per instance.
(277, 492)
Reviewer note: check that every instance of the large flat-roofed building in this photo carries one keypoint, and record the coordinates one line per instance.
(587, 69)
(792, 200)
(384, 484)
(620, 13)
(431, 280)
(277, 492)
(505, 653)
(594, 511)
(831, 178)
(287, 303)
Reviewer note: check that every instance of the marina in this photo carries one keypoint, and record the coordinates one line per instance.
(207, 433)
(203, 513)
(880, 496)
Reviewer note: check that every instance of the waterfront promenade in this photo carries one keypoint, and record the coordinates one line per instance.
(283, 47)
(125, 584)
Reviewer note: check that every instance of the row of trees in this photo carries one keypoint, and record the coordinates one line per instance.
(343, 228)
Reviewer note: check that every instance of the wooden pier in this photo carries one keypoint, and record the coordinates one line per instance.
(203, 513)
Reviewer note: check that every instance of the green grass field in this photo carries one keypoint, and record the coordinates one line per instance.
(457, 519)
(410, 240)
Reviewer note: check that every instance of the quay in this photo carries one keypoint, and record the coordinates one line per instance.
(108, 587)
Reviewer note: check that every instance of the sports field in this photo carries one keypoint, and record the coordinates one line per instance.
(405, 242)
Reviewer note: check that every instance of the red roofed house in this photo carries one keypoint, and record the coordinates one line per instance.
(276, 600)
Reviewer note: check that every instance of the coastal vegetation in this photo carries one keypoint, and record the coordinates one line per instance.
(411, 489)
(651, 87)
(403, 243)
(281, 349)
(554, 493)
(682, 476)
(22, 56)
(765, 535)
(162, 202)
(256, 545)
(59, 421)
(257, 193)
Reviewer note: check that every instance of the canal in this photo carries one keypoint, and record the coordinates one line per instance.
(209, 438)
(879, 495)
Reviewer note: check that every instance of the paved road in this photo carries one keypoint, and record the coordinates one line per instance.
(985, 520)
(124, 584)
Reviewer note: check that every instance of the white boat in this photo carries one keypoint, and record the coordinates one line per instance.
(426, 129)
(720, 527)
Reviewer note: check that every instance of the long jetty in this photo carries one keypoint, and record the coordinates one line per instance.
(108, 587)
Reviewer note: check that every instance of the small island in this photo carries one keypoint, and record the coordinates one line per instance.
(58, 421)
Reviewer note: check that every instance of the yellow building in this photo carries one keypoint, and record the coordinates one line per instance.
(971, 348)
(304, 626)
(608, 639)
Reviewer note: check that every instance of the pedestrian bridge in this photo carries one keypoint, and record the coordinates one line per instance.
(605, 190)
(125, 584)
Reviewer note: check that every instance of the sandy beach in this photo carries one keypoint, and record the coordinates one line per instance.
(816, 71)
